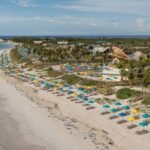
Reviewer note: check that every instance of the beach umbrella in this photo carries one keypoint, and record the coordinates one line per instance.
(74, 94)
(105, 106)
(55, 82)
(145, 116)
(123, 114)
(90, 102)
(117, 103)
(131, 119)
(85, 99)
(69, 92)
(113, 110)
(126, 107)
(135, 111)
(143, 124)
(94, 89)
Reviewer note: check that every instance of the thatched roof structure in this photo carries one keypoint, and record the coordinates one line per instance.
(104, 89)
(118, 53)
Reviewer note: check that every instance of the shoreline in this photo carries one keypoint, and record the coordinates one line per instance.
(8, 49)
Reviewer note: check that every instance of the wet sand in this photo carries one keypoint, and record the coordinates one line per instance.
(10, 137)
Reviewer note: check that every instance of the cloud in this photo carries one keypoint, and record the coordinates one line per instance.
(136, 7)
(68, 20)
(24, 3)
(142, 25)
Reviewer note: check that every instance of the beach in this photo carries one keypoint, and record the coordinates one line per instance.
(43, 121)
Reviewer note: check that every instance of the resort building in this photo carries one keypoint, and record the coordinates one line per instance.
(97, 48)
(62, 42)
(137, 56)
(37, 42)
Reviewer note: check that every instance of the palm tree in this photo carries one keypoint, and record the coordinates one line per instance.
(146, 79)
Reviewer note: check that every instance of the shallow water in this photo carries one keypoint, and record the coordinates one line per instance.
(5, 45)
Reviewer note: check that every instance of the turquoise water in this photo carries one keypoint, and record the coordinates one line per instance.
(6, 45)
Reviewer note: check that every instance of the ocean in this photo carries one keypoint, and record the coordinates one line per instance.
(5, 45)
(81, 36)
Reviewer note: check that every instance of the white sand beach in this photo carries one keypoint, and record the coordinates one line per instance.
(44, 121)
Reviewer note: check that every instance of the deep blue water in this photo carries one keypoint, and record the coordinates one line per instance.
(82, 36)
(5, 45)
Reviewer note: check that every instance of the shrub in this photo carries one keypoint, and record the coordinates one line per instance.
(53, 73)
(126, 93)
(15, 56)
(71, 79)
(88, 82)
(146, 101)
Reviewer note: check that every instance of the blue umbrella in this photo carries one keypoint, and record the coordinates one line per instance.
(69, 92)
(123, 114)
(94, 89)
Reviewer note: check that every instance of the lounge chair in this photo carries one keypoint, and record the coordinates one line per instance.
(105, 113)
(113, 117)
(147, 121)
(131, 126)
(137, 117)
(73, 100)
(142, 132)
(80, 102)
(122, 121)
(128, 112)
(70, 97)
(85, 104)
(89, 108)
(119, 109)
(60, 95)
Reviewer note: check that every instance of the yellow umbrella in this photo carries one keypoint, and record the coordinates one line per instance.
(55, 89)
(135, 111)
(74, 94)
(132, 119)
(17, 75)
(35, 81)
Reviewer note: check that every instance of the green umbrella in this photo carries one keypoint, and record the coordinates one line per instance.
(90, 102)
(126, 107)
(113, 110)
(117, 103)
(145, 116)
(143, 124)
(105, 106)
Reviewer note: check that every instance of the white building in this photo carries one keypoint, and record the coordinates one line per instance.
(62, 42)
(98, 48)
(37, 42)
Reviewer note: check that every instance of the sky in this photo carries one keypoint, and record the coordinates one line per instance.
(74, 17)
